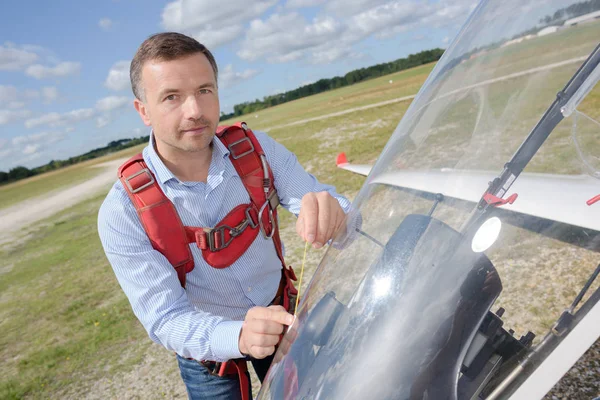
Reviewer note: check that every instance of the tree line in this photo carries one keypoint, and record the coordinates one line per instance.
(573, 11)
(21, 172)
(322, 85)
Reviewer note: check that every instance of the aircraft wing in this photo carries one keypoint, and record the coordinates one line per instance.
(561, 198)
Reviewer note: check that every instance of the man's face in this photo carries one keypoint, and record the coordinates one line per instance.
(181, 103)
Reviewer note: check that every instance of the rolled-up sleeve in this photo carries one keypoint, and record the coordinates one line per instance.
(153, 289)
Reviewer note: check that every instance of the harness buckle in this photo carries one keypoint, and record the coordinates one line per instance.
(213, 367)
(250, 220)
(220, 243)
(245, 153)
(271, 221)
(144, 186)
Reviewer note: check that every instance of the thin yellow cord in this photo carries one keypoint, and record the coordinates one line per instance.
(300, 282)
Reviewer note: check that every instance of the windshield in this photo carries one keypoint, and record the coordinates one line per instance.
(434, 264)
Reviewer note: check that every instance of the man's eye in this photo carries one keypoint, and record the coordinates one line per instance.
(170, 97)
(204, 91)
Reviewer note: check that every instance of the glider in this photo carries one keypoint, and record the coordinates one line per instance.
(467, 268)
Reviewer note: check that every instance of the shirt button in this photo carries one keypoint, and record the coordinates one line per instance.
(249, 288)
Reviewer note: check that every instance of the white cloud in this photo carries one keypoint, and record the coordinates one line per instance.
(79, 115)
(52, 119)
(204, 20)
(108, 106)
(8, 93)
(65, 68)
(118, 76)
(105, 23)
(15, 98)
(102, 121)
(112, 102)
(45, 138)
(31, 148)
(212, 38)
(15, 59)
(340, 25)
(55, 119)
(9, 116)
(102, 111)
(389, 18)
(303, 3)
(228, 77)
(331, 53)
(49, 93)
(286, 37)
(347, 8)
(13, 105)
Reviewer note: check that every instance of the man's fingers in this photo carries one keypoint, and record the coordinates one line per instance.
(264, 326)
(310, 209)
(273, 313)
(323, 219)
(300, 226)
(261, 352)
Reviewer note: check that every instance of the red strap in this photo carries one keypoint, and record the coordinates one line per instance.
(157, 214)
(242, 367)
(166, 231)
(245, 154)
(230, 245)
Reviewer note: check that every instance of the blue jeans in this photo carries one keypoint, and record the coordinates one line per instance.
(201, 385)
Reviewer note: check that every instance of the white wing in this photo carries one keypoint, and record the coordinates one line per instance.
(561, 198)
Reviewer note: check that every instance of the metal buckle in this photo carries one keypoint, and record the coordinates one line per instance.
(221, 231)
(235, 156)
(262, 227)
(144, 186)
(250, 220)
(213, 370)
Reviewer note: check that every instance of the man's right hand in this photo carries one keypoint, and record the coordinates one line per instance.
(262, 329)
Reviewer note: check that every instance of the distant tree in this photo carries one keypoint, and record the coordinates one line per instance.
(19, 173)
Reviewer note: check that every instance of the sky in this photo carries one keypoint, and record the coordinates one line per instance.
(64, 65)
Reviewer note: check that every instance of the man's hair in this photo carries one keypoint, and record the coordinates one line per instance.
(165, 46)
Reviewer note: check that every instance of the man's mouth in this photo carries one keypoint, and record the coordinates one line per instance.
(196, 130)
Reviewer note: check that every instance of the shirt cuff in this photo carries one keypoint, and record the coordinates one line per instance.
(225, 340)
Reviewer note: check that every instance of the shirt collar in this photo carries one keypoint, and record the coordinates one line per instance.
(163, 174)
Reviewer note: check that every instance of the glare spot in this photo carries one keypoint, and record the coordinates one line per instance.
(486, 235)
(381, 286)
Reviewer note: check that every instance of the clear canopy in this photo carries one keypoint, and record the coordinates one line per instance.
(471, 234)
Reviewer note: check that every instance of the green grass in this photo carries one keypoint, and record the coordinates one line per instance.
(64, 317)
(405, 83)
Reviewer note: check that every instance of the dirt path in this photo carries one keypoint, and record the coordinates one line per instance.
(14, 218)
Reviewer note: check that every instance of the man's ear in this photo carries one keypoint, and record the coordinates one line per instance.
(140, 107)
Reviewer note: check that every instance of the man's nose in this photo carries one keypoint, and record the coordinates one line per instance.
(192, 108)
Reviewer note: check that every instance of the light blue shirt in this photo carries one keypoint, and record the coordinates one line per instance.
(204, 320)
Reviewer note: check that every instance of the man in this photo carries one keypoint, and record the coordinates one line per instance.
(223, 313)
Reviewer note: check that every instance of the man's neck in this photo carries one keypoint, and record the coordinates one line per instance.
(186, 166)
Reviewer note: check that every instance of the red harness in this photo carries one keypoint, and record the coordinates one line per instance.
(222, 245)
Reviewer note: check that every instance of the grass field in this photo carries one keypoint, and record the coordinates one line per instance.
(66, 323)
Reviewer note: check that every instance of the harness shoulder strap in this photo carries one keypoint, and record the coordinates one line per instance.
(157, 214)
(249, 160)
